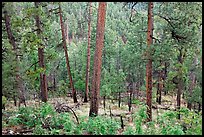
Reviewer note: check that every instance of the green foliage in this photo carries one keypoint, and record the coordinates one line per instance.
(129, 131)
(4, 100)
(102, 126)
(38, 130)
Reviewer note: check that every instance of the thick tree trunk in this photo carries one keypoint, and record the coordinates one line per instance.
(13, 43)
(88, 56)
(43, 84)
(149, 63)
(97, 60)
(66, 55)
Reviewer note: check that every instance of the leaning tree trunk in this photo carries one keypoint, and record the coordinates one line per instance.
(88, 56)
(94, 104)
(149, 63)
(43, 84)
(66, 55)
(13, 43)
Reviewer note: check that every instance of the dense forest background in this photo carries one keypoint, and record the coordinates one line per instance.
(45, 57)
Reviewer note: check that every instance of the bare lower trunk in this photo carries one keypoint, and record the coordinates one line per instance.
(94, 103)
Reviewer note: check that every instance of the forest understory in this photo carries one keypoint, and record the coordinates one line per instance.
(112, 111)
(102, 68)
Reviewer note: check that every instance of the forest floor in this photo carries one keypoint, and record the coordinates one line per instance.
(82, 109)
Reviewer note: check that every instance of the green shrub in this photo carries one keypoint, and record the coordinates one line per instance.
(46, 109)
(129, 131)
(38, 130)
(102, 126)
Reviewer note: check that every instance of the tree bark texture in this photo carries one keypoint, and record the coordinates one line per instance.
(13, 43)
(88, 55)
(149, 63)
(43, 83)
(66, 55)
(95, 90)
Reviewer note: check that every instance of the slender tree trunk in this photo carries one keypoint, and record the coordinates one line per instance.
(94, 104)
(179, 98)
(66, 55)
(119, 100)
(199, 107)
(160, 86)
(180, 83)
(88, 56)
(43, 84)
(192, 79)
(104, 102)
(13, 43)
(14, 99)
(130, 99)
(149, 63)
(54, 81)
(165, 76)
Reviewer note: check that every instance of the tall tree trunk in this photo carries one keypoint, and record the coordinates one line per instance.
(43, 84)
(66, 55)
(13, 43)
(88, 56)
(149, 63)
(94, 104)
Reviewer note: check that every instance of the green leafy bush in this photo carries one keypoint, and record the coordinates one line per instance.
(38, 130)
(102, 126)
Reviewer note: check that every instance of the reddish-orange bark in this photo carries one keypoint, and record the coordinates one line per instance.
(149, 63)
(88, 55)
(95, 90)
(66, 55)
(43, 83)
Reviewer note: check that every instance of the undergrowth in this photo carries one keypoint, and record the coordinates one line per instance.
(46, 121)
